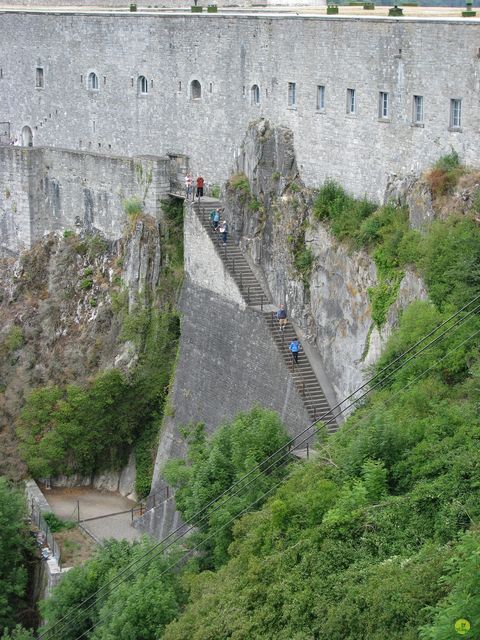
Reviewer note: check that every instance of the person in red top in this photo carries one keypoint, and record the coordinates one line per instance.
(200, 183)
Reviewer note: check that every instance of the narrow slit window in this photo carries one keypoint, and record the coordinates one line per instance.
(383, 105)
(292, 95)
(455, 113)
(93, 81)
(39, 79)
(320, 97)
(142, 85)
(418, 109)
(351, 102)
(255, 93)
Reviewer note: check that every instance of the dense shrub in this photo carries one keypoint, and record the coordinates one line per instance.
(450, 262)
(138, 607)
(213, 465)
(445, 174)
(344, 213)
(13, 546)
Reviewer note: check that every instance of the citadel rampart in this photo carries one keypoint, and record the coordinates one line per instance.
(43, 190)
(437, 60)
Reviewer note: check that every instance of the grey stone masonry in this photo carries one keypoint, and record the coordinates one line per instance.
(255, 297)
(44, 190)
(287, 57)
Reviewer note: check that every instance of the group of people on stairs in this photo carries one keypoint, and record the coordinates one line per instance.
(221, 227)
(294, 346)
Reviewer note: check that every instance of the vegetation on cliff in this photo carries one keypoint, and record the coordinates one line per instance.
(14, 545)
(378, 537)
(88, 419)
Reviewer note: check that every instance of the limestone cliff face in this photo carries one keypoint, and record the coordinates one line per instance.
(60, 317)
(330, 306)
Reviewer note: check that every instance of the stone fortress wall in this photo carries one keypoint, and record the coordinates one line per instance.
(228, 54)
(44, 190)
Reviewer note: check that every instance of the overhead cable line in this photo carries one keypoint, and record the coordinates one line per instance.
(281, 481)
(207, 512)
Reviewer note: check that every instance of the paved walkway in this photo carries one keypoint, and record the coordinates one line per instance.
(94, 503)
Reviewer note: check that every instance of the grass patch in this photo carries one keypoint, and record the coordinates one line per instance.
(240, 185)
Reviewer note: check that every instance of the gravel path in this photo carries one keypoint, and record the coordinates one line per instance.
(94, 503)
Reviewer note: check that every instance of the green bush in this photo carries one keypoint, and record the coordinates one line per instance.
(213, 465)
(12, 341)
(239, 184)
(215, 191)
(133, 207)
(137, 608)
(13, 548)
(56, 524)
(450, 262)
(86, 284)
(304, 262)
(79, 429)
(445, 174)
(344, 213)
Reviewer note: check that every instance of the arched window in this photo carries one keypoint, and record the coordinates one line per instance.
(195, 90)
(255, 93)
(142, 85)
(27, 137)
(93, 81)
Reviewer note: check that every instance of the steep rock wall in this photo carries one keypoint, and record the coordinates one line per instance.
(332, 308)
(61, 307)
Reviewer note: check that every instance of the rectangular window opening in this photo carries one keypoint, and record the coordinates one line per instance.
(320, 97)
(383, 105)
(39, 77)
(351, 101)
(210, 88)
(418, 109)
(179, 86)
(292, 95)
(455, 113)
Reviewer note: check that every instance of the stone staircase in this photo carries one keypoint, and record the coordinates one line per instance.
(254, 295)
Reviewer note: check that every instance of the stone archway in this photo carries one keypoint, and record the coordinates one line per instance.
(27, 137)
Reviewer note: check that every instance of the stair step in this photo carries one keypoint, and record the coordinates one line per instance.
(303, 375)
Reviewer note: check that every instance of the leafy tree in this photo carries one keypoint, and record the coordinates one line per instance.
(213, 465)
(13, 546)
(138, 607)
(450, 262)
(463, 601)
(19, 633)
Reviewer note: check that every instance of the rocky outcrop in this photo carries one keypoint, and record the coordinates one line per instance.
(330, 303)
(61, 309)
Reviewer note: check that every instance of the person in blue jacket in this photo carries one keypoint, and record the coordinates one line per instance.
(294, 347)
